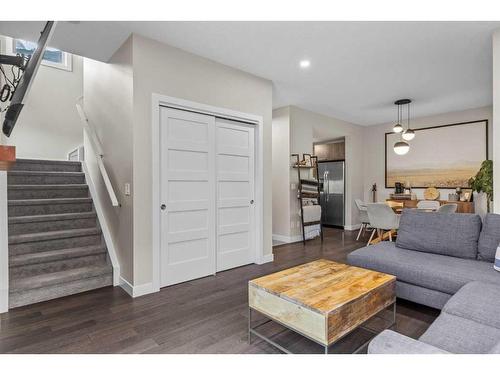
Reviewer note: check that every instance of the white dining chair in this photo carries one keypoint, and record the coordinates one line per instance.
(382, 218)
(428, 205)
(448, 208)
(363, 216)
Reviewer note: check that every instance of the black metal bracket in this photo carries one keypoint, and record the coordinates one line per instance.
(18, 61)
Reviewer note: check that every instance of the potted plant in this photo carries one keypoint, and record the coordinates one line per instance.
(482, 183)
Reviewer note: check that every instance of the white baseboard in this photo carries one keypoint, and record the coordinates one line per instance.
(287, 239)
(265, 259)
(137, 290)
(4, 300)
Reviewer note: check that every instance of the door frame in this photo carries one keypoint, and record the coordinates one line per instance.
(159, 101)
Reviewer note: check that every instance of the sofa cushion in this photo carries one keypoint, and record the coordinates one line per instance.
(477, 301)
(433, 232)
(459, 335)
(390, 342)
(495, 349)
(489, 239)
(419, 294)
(433, 271)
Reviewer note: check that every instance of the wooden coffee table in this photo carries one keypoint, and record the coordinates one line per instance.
(321, 300)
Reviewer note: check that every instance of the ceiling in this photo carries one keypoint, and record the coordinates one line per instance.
(357, 69)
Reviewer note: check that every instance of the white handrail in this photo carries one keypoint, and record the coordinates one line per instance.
(96, 143)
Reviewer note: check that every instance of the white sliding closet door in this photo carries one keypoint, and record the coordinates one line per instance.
(188, 225)
(235, 194)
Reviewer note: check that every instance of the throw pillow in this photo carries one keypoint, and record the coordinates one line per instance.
(496, 265)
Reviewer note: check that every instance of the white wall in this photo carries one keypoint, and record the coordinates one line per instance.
(48, 126)
(108, 93)
(162, 69)
(496, 122)
(374, 141)
(281, 173)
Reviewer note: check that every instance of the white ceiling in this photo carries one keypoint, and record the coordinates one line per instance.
(357, 69)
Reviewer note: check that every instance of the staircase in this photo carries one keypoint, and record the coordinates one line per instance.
(56, 247)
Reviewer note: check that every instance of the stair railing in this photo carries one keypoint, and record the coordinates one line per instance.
(98, 149)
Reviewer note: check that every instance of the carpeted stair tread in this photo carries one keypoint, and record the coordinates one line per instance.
(45, 187)
(47, 162)
(58, 234)
(51, 217)
(55, 255)
(47, 173)
(50, 201)
(45, 280)
(59, 290)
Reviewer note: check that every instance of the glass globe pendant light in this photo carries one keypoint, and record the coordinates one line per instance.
(401, 147)
(408, 134)
(398, 128)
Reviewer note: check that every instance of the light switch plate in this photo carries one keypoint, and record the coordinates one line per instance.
(127, 188)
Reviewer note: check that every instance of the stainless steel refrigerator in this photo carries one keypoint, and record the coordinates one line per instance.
(331, 177)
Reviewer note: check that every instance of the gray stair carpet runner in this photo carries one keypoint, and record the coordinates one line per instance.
(56, 247)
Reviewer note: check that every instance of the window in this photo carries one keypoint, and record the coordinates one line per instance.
(52, 57)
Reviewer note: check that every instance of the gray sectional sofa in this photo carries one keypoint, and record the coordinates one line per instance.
(443, 261)
(468, 324)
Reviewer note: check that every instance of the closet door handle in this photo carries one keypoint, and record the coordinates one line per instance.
(163, 207)
(251, 202)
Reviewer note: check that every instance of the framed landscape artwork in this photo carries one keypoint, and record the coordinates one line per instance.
(443, 156)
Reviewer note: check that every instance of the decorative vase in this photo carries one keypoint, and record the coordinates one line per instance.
(480, 204)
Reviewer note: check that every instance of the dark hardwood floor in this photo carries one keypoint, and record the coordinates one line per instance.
(207, 315)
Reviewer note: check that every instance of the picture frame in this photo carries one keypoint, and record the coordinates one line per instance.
(443, 156)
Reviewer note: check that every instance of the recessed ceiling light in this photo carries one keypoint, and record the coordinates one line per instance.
(305, 64)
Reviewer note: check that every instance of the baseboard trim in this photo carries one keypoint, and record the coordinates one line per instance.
(137, 290)
(265, 259)
(4, 300)
(287, 239)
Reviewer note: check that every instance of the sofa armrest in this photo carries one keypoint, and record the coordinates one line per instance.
(390, 342)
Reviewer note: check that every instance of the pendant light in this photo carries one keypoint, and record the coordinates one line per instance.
(402, 147)
(408, 134)
(398, 128)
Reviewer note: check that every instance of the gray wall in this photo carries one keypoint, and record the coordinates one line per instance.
(118, 101)
(374, 163)
(281, 172)
(162, 69)
(108, 93)
(326, 128)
